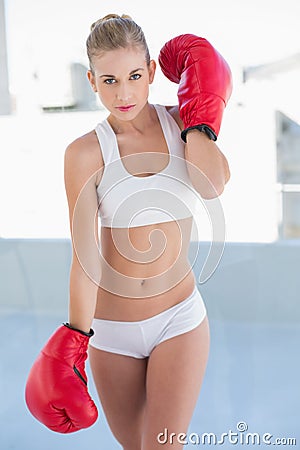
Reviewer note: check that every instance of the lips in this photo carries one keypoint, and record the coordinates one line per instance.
(125, 108)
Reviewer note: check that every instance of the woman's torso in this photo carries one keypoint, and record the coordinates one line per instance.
(145, 267)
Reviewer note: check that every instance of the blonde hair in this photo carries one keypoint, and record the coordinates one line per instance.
(113, 32)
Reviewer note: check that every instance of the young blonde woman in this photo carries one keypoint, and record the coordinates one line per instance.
(133, 295)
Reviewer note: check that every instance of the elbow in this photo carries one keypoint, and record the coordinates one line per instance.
(210, 190)
(210, 184)
(227, 174)
(212, 193)
(218, 187)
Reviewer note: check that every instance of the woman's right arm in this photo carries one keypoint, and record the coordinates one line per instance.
(82, 171)
(57, 382)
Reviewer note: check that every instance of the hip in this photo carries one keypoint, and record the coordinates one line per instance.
(139, 338)
(135, 299)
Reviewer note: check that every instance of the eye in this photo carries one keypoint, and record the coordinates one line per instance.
(135, 76)
(109, 81)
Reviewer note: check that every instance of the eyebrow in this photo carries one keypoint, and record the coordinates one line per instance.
(131, 73)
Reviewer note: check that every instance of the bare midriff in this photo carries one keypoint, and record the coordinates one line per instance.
(145, 270)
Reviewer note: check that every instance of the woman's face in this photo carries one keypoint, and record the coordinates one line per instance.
(121, 78)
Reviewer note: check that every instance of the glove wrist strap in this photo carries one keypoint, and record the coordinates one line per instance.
(204, 128)
(90, 334)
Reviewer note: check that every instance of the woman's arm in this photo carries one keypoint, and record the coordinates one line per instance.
(208, 168)
(57, 382)
(82, 172)
(205, 86)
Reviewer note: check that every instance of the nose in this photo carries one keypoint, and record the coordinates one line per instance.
(123, 92)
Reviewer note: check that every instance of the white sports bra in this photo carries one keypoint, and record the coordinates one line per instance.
(127, 201)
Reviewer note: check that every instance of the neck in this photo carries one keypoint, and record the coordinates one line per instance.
(139, 124)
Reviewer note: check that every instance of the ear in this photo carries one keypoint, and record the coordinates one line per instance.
(91, 79)
(152, 69)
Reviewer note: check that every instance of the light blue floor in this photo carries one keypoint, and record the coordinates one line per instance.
(253, 373)
(253, 376)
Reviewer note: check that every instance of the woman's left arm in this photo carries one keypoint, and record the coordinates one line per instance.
(205, 86)
(207, 166)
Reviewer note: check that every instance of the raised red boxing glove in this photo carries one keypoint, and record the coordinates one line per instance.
(205, 82)
(56, 390)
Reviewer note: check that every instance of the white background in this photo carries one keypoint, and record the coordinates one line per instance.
(44, 37)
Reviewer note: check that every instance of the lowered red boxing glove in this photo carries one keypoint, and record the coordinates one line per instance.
(56, 390)
(205, 82)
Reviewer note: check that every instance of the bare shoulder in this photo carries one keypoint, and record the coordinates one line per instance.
(84, 156)
(174, 112)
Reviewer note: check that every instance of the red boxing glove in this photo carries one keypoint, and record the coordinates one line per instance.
(56, 390)
(205, 82)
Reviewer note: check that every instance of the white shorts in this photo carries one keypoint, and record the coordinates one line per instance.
(139, 338)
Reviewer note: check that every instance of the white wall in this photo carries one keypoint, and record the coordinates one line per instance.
(5, 105)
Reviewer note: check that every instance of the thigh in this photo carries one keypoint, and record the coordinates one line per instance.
(175, 373)
(120, 382)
